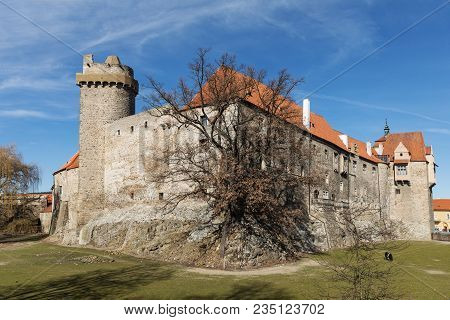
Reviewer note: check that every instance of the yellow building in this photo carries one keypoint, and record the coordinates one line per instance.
(441, 208)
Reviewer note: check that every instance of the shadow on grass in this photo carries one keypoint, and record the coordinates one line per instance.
(255, 290)
(99, 284)
(7, 238)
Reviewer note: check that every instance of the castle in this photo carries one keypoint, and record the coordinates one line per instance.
(107, 183)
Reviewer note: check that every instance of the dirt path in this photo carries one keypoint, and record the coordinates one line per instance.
(281, 269)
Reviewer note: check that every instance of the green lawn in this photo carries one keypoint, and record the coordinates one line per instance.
(44, 271)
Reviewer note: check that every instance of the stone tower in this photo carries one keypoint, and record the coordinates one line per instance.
(107, 93)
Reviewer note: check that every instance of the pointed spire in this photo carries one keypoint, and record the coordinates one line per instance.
(386, 128)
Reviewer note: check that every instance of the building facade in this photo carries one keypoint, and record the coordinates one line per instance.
(441, 209)
(110, 172)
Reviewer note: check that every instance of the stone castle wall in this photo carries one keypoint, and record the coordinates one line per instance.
(112, 192)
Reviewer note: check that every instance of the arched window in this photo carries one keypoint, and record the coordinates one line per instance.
(316, 194)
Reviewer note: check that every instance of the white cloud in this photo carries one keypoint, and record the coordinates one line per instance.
(438, 130)
(378, 107)
(35, 114)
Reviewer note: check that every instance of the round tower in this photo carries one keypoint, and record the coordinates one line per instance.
(107, 93)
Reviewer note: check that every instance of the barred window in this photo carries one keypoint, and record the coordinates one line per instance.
(402, 170)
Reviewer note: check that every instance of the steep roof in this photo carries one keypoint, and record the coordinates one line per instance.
(413, 141)
(73, 163)
(289, 110)
(441, 204)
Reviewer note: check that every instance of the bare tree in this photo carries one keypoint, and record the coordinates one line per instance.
(16, 177)
(364, 268)
(250, 162)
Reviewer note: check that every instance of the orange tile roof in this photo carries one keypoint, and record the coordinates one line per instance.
(292, 113)
(428, 150)
(441, 204)
(73, 163)
(413, 141)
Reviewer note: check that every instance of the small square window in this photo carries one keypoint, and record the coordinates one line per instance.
(161, 196)
(397, 191)
(204, 120)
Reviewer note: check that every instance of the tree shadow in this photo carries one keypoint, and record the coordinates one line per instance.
(255, 290)
(98, 284)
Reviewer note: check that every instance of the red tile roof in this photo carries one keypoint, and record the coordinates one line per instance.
(73, 163)
(413, 141)
(292, 113)
(441, 204)
(428, 150)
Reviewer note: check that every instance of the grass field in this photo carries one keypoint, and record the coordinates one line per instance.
(39, 270)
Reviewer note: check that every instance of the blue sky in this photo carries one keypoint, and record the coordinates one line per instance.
(407, 82)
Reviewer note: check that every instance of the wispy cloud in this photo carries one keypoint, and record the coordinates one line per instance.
(438, 130)
(33, 114)
(360, 104)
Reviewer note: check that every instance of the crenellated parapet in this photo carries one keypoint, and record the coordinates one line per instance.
(108, 74)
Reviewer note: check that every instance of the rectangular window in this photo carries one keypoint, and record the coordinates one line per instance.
(336, 158)
(355, 164)
(326, 154)
(145, 124)
(118, 132)
(161, 196)
(204, 120)
(397, 191)
(364, 167)
(132, 129)
(341, 186)
(374, 170)
(402, 170)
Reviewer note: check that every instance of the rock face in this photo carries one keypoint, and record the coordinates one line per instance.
(182, 237)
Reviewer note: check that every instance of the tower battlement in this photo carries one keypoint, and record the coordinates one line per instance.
(110, 73)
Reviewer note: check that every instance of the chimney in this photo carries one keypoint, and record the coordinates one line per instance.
(306, 113)
(344, 139)
(369, 148)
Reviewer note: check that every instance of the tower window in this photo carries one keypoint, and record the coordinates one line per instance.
(364, 167)
(161, 196)
(397, 191)
(132, 129)
(374, 170)
(132, 195)
(341, 186)
(326, 195)
(355, 164)
(326, 154)
(145, 124)
(118, 132)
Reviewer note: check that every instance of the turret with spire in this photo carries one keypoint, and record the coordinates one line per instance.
(386, 128)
